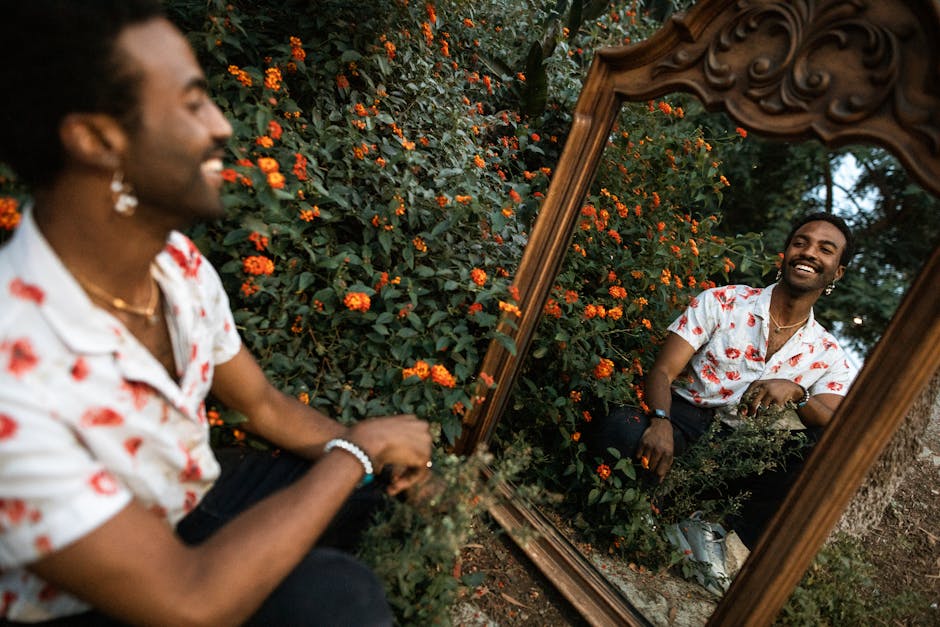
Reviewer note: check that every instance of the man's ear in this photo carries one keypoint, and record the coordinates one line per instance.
(840, 272)
(93, 139)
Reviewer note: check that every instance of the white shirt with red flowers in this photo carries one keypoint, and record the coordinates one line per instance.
(89, 419)
(729, 326)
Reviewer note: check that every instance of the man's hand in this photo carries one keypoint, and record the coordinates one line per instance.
(402, 442)
(657, 447)
(769, 392)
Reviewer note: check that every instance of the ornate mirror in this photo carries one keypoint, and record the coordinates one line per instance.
(840, 72)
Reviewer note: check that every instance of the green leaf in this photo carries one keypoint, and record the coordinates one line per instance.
(507, 342)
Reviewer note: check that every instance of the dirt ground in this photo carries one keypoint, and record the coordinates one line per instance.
(905, 548)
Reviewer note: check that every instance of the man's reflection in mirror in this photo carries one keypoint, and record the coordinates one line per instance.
(735, 354)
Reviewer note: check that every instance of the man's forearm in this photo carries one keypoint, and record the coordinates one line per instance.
(289, 424)
(658, 391)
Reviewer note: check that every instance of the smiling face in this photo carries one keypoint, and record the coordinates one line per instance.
(174, 154)
(812, 258)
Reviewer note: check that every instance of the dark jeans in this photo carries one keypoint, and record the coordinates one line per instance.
(328, 587)
(623, 428)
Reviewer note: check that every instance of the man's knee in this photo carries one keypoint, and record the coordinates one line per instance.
(620, 429)
(328, 587)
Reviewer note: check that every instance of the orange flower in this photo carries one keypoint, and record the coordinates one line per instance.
(268, 165)
(342, 82)
(298, 326)
(420, 370)
(215, 419)
(258, 264)
(9, 214)
(264, 141)
(587, 416)
(740, 131)
(576, 436)
(357, 301)
(272, 78)
(646, 323)
(304, 398)
(509, 308)
(479, 162)
(615, 313)
(570, 296)
(514, 196)
(300, 167)
(259, 240)
(617, 292)
(604, 368)
(419, 245)
(603, 471)
(275, 130)
(487, 379)
(240, 74)
(441, 376)
(552, 308)
(575, 396)
(307, 215)
(249, 288)
(474, 309)
(276, 180)
(478, 276)
(390, 50)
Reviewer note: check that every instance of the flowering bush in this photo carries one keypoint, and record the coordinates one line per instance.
(384, 168)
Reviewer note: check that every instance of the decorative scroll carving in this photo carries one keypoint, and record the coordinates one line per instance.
(809, 45)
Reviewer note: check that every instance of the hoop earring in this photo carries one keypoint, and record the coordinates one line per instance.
(125, 202)
(779, 274)
(830, 287)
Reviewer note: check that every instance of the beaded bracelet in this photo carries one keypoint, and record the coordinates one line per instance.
(356, 452)
(805, 398)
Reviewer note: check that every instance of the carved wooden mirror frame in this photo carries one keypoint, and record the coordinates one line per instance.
(840, 71)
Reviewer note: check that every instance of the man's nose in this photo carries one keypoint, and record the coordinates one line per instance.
(219, 125)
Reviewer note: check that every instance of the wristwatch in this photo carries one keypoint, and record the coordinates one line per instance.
(660, 413)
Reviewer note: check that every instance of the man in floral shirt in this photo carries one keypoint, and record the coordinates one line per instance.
(749, 347)
(114, 328)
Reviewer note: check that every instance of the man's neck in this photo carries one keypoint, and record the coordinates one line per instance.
(95, 243)
(789, 306)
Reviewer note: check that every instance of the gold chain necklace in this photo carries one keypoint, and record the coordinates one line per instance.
(149, 311)
(780, 328)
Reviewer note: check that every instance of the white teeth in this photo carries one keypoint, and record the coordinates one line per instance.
(803, 268)
(212, 166)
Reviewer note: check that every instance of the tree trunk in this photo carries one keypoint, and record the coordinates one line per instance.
(888, 473)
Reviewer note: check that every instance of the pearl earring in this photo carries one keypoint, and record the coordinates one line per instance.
(779, 274)
(125, 202)
(830, 287)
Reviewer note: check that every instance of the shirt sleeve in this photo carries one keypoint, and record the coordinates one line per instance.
(698, 321)
(52, 491)
(226, 341)
(837, 379)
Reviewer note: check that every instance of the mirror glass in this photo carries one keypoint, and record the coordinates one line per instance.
(684, 200)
